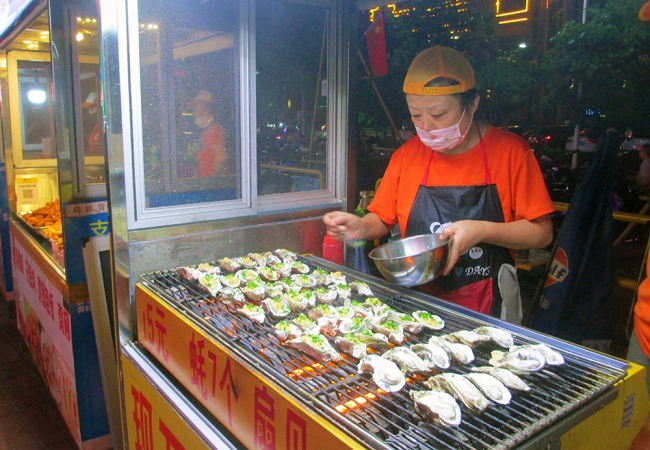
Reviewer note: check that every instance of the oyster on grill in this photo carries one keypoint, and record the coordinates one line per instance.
(307, 325)
(433, 355)
(254, 290)
(229, 265)
(189, 273)
(287, 284)
(276, 307)
(322, 277)
(376, 341)
(308, 294)
(361, 288)
(271, 259)
(246, 275)
(210, 283)
(429, 320)
(520, 361)
(467, 337)
(259, 259)
(324, 311)
(461, 388)
(268, 274)
(505, 376)
(299, 267)
(246, 262)
(304, 280)
(354, 325)
(283, 269)
(343, 291)
(209, 268)
(286, 255)
(406, 321)
(385, 373)
(337, 278)
(350, 344)
(460, 352)
(317, 346)
(394, 332)
(229, 295)
(345, 312)
(437, 407)
(231, 280)
(407, 360)
(553, 357)
(325, 295)
(273, 290)
(499, 336)
(491, 387)
(294, 300)
(253, 312)
(286, 330)
(376, 306)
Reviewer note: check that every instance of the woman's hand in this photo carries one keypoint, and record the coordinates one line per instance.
(344, 226)
(465, 234)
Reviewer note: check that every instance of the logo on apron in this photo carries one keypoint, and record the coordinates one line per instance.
(559, 268)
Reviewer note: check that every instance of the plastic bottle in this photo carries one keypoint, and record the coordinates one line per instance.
(332, 250)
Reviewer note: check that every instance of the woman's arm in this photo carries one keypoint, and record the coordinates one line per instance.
(345, 226)
(520, 234)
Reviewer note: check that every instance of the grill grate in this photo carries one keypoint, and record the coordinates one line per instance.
(381, 420)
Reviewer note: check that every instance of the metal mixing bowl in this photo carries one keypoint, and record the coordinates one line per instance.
(412, 261)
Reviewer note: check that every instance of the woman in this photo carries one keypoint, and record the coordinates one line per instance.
(480, 184)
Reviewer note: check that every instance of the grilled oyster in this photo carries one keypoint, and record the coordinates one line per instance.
(491, 387)
(433, 355)
(309, 296)
(303, 280)
(254, 290)
(509, 379)
(325, 295)
(189, 273)
(322, 277)
(229, 265)
(268, 274)
(209, 268)
(260, 260)
(461, 388)
(467, 337)
(337, 278)
(343, 291)
(253, 312)
(376, 306)
(345, 312)
(231, 280)
(286, 255)
(393, 331)
(408, 361)
(283, 269)
(324, 311)
(553, 357)
(286, 330)
(229, 295)
(405, 320)
(376, 341)
(385, 373)
(437, 407)
(460, 352)
(294, 300)
(499, 336)
(276, 307)
(429, 320)
(246, 275)
(299, 267)
(246, 262)
(315, 345)
(520, 361)
(354, 325)
(272, 290)
(350, 344)
(210, 283)
(307, 325)
(271, 259)
(287, 284)
(361, 288)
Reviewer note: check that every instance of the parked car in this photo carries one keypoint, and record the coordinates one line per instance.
(587, 142)
(547, 137)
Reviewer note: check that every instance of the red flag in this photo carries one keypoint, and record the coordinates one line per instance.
(376, 41)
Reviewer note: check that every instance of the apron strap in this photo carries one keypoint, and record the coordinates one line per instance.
(426, 173)
(488, 176)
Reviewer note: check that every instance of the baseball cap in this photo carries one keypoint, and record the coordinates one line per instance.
(438, 62)
(644, 12)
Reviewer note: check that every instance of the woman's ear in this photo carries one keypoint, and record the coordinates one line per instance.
(472, 107)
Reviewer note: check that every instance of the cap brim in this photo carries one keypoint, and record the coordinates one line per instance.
(644, 12)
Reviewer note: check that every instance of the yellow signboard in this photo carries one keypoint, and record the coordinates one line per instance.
(254, 409)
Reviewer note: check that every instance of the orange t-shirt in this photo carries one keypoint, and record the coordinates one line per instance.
(212, 154)
(512, 165)
(642, 313)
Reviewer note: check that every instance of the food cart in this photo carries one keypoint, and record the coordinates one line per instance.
(55, 194)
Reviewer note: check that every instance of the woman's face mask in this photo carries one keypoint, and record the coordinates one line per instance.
(444, 138)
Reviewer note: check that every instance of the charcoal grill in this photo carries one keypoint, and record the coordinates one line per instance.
(380, 420)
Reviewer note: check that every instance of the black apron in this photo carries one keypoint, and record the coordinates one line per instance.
(473, 280)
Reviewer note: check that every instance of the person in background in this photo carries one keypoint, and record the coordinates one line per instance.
(212, 156)
(461, 178)
(643, 177)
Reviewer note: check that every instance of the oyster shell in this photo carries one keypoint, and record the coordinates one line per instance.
(509, 379)
(276, 307)
(286, 255)
(253, 312)
(467, 337)
(229, 265)
(553, 357)
(343, 291)
(294, 300)
(299, 267)
(350, 344)
(491, 387)
(286, 330)
(437, 407)
(361, 288)
(499, 336)
(246, 262)
(429, 320)
(345, 312)
(210, 283)
(354, 325)
(246, 275)
(283, 269)
(408, 361)
(461, 388)
(273, 290)
(394, 332)
(520, 361)
(307, 325)
(229, 295)
(324, 311)
(433, 355)
(460, 352)
(189, 273)
(271, 259)
(322, 277)
(337, 278)
(231, 280)
(315, 345)
(405, 320)
(259, 259)
(376, 341)
(376, 306)
(208, 268)
(385, 373)
(287, 284)
(309, 296)
(303, 280)
(325, 295)
(254, 290)
(268, 274)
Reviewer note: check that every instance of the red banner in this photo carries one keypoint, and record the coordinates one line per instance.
(376, 40)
